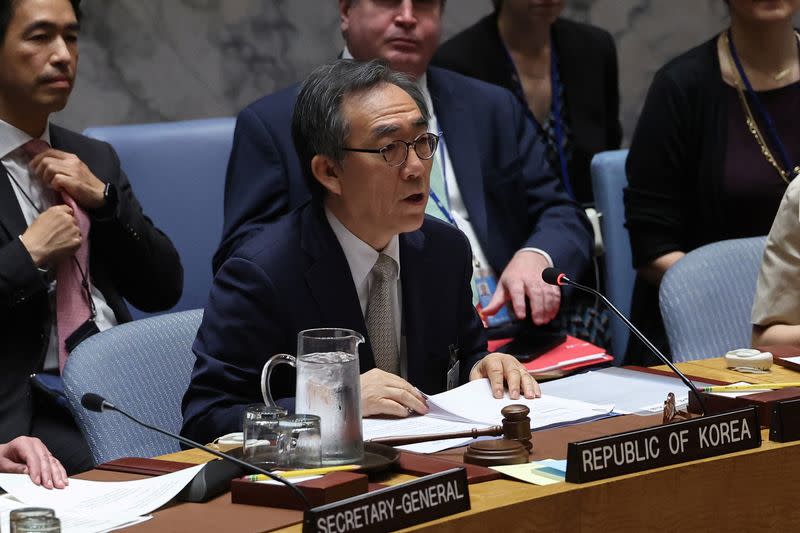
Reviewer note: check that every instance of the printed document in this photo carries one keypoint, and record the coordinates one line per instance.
(472, 405)
(106, 502)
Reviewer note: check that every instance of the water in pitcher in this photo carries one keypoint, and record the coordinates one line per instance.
(328, 385)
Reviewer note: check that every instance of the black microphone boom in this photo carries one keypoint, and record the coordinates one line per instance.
(553, 276)
(95, 402)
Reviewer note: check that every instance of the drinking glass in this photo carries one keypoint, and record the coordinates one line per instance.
(261, 436)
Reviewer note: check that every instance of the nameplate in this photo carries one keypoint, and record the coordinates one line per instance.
(785, 423)
(415, 502)
(668, 444)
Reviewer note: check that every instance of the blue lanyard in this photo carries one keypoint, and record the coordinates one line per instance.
(555, 107)
(433, 195)
(772, 131)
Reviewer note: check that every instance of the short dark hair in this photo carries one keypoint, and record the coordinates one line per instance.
(7, 12)
(318, 125)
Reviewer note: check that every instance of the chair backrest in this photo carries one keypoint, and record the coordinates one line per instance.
(177, 171)
(608, 180)
(143, 367)
(707, 296)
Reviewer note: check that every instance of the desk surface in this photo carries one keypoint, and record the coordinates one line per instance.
(754, 490)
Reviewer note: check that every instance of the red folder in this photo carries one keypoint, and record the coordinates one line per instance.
(571, 354)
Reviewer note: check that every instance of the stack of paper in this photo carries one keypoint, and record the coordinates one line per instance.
(87, 506)
(473, 406)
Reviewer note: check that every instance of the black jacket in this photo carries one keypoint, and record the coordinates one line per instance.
(128, 258)
(588, 69)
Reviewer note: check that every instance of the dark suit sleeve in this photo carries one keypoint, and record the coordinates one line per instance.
(256, 184)
(19, 278)
(656, 167)
(558, 225)
(140, 260)
(240, 328)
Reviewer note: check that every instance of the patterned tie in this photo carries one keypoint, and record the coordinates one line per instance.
(437, 187)
(380, 315)
(72, 309)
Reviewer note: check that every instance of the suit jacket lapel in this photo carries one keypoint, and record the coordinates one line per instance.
(414, 281)
(330, 280)
(462, 147)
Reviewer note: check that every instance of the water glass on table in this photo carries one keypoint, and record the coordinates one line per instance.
(301, 445)
(261, 444)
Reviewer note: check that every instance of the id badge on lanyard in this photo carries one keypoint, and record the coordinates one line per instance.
(485, 284)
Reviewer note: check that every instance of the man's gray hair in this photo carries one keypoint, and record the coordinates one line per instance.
(318, 125)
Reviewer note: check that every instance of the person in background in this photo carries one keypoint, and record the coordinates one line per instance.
(74, 242)
(564, 73)
(27, 455)
(490, 178)
(776, 308)
(716, 145)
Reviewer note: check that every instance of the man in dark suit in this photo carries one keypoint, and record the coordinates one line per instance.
(360, 255)
(494, 181)
(73, 239)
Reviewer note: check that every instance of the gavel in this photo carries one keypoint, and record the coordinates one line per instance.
(516, 426)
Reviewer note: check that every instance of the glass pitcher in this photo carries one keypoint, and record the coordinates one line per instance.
(329, 386)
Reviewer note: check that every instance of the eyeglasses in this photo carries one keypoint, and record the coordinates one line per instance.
(396, 152)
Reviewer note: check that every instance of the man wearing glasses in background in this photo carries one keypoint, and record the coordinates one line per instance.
(490, 177)
(360, 255)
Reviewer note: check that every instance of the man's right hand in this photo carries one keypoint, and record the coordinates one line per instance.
(383, 393)
(52, 236)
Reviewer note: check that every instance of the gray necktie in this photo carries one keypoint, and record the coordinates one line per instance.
(380, 315)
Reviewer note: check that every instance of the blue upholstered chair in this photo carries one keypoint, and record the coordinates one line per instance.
(143, 367)
(177, 171)
(608, 180)
(706, 298)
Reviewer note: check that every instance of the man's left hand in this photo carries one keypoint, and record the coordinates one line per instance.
(501, 366)
(522, 279)
(65, 172)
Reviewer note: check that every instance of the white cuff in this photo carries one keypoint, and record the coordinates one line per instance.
(539, 251)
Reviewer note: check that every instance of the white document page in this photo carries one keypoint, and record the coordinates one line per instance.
(71, 523)
(792, 359)
(474, 401)
(630, 391)
(101, 498)
(472, 406)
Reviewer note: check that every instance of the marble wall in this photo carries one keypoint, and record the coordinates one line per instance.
(159, 60)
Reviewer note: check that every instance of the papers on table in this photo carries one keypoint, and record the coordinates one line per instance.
(70, 523)
(474, 402)
(545, 472)
(109, 504)
(473, 406)
(795, 360)
(629, 390)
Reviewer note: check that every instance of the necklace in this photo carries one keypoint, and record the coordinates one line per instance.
(750, 120)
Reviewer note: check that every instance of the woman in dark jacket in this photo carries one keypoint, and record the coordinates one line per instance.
(564, 72)
(716, 144)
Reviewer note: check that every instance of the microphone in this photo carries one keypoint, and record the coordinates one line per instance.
(95, 402)
(553, 276)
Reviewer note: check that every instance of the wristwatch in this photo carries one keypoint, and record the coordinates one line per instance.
(110, 201)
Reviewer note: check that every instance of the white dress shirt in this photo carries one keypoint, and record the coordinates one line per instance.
(457, 208)
(16, 163)
(361, 257)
